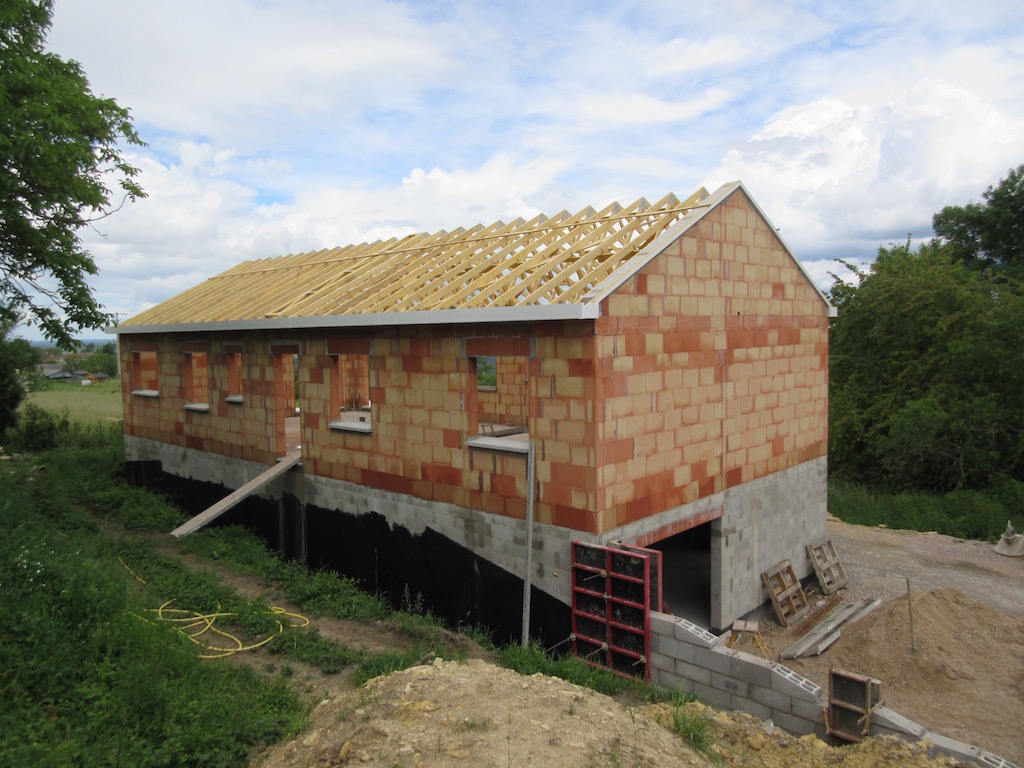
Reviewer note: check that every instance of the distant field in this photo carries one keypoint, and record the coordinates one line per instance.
(96, 402)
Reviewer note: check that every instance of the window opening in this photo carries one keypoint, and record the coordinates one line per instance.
(197, 382)
(501, 398)
(234, 361)
(350, 405)
(145, 373)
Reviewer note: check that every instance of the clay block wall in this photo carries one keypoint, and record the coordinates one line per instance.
(507, 403)
(244, 430)
(712, 368)
(706, 371)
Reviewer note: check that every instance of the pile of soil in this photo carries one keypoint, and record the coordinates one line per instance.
(965, 676)
(961, 675)
(476, 714)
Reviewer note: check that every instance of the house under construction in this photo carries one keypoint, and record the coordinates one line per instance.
(667, 362)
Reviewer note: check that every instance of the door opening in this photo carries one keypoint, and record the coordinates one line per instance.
(686, 574)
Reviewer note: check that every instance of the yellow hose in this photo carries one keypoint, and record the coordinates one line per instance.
(195, 626)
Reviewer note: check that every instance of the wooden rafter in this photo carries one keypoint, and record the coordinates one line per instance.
(546, 260)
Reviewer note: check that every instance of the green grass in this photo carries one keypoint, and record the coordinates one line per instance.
(96, 402)
(964, 514)
(86, 677)
(89, 677)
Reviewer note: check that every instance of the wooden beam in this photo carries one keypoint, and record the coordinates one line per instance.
(222, 506)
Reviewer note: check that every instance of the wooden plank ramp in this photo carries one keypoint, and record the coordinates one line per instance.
(222, 506)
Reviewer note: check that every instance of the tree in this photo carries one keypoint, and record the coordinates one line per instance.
(18, 364)
(101, 362)
(988, 235)
(59, 146)
(926, 355)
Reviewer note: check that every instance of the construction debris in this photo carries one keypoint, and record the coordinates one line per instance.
(739, 627)
(825, 633)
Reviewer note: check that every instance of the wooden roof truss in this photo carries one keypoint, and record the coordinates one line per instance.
(543, 261)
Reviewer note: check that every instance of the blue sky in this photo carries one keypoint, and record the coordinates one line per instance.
(280, 126)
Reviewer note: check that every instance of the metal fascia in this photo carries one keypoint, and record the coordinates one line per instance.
(575, 311)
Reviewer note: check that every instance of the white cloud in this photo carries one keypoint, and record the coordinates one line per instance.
(278, 126)
(843, 179)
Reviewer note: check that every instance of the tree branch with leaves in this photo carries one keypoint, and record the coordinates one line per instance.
(62, 164)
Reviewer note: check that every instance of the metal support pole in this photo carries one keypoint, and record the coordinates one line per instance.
(910, 610)
(527, 580)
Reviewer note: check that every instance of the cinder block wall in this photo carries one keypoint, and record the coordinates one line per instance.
(687, 657)
(684, 656)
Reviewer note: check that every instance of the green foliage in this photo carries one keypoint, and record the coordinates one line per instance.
(533, 659)
(486, 371)
(964, 514)
(101, 362)
(19, 372)
(38, 430)
(59, 144)
(926, 355)
(308, 645)
(84, 680)
(988, 235)
(322, 593)
(693, 725)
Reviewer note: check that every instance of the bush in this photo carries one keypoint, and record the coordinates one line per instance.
(38, 430)
(964, 514)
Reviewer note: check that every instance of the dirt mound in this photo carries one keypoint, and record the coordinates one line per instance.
(477, 714)
(964, 677)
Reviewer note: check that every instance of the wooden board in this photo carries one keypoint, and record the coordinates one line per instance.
(787, 594)
(827, 567)
(222, 506)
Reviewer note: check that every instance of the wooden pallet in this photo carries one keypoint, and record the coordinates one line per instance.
(787, 595)
(827, 567)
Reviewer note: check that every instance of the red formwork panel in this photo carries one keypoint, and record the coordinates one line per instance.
(611, 607)
(655, 557)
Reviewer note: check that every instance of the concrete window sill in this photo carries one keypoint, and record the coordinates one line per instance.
(499, 444)
(233, 399)
(146, 393)
(198, 407)
(362, 427)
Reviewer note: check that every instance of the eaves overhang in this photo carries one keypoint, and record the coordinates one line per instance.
(530, 314)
